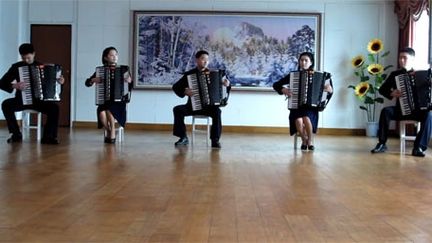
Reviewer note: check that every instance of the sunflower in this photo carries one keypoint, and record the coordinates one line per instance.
(375, 68)
(361, 89)
(357, 61)
(375, 46)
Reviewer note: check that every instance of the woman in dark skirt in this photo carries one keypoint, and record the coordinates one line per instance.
(110, 112)
(304, 120)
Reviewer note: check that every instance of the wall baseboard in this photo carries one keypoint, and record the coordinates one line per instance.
(228, 128)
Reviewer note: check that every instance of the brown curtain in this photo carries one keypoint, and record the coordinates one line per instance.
(408, 11)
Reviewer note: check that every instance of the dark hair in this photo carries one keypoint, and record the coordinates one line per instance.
(26, 48)
(408, 50)
(106, 52)
(200, 53)
(311, 57)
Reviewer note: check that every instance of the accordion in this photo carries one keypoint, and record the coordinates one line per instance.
(40, 83)
(307, 89)
(207, 89)
(415, 90)
(112, 87)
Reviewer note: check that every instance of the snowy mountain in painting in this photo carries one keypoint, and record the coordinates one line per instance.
(167, 44)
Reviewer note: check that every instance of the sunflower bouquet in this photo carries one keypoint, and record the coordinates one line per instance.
(371, 75)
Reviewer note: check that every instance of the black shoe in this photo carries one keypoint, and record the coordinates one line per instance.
(109, 140)
(311, 147)
(379, 148)
(14, 139)
(216, 144)
(182, 141)
(49, 141)
(418, 152)
(303, 147)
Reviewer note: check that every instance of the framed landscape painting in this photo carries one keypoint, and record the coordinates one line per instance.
(255, 49)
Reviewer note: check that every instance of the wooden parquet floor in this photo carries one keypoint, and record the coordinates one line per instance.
(255, 189)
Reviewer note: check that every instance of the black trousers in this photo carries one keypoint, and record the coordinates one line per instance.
(424, 117)
(50, 109)
(181, 111)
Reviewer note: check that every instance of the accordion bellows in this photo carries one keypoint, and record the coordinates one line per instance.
(41, 82)
(415, 90)
(307, 89)
(112, 87)
(207, 89)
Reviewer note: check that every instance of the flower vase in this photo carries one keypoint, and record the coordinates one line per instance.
(371, 129)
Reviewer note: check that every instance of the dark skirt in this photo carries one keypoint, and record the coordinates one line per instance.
(297, 113)
(117, 109)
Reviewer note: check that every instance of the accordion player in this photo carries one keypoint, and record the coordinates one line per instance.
(307, 89)
(207, 89)
(113, 86)
(41, 83)
(416, 91)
